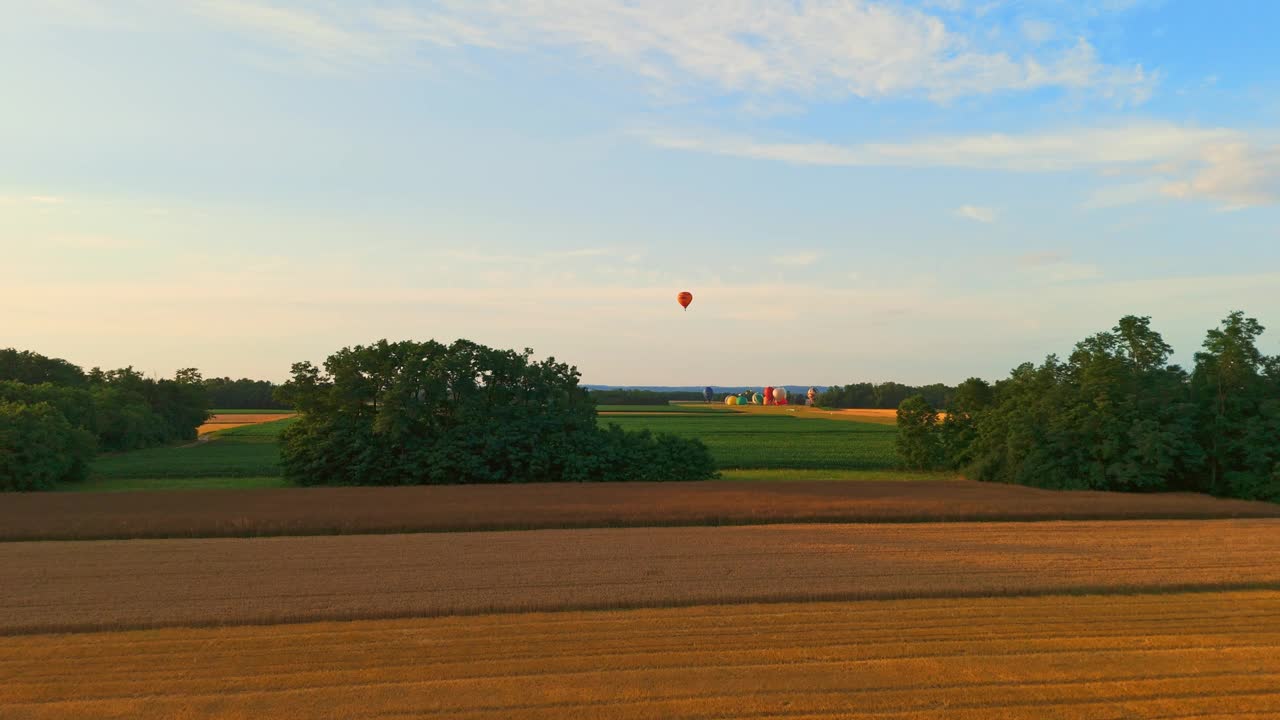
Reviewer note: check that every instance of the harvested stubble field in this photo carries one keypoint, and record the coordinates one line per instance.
(1211, 655)
(357, 510)
(111, 584)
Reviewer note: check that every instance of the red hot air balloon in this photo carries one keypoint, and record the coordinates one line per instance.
(684, 299)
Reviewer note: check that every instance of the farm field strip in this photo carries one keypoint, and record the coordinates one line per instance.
(227, 421)
(775, 440)
(72, 586)
(684, 408)
(1097, 658)
(244, 451)
(878, 416)
(441, 508)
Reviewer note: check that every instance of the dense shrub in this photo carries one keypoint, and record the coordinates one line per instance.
(412, 413)
(40, 448)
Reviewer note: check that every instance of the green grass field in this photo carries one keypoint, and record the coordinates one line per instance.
(702, 408)
(745, 446)
(245, 452)
(749, 441)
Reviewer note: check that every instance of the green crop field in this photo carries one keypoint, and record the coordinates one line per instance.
(741, 440)
(745, 446)
(244, 453)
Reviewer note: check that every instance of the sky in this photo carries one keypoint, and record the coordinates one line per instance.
(852, 190)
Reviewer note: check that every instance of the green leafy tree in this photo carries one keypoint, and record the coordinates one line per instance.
(918, 440)
(39, 448)
(34, 369)
(959, 429)
(1237, 393)
(427, 413)
(243, 393)
(1115, 416)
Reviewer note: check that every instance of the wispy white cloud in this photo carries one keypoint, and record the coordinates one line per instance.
(481, 257)
(1052, 266)
(1042, 257)
(38, 200)
(858, 48)
(1238, 175)
(1223, 165)
(93, 242)
(333, 36)
(800, 259)
(977, 213)
(1038, 31)
(590, 252)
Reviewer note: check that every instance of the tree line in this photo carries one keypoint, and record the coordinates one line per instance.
(242, 394)
(54, 416)
(642, 397)
(1116, 415)
(886, 395)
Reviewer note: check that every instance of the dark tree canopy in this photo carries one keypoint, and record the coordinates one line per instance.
(39, 448)
(1117, 416)
(409, 413)
(31, 368)
(54, 408)
(918, 443)
(243, 393)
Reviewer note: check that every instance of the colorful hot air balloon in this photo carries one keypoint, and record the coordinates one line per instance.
(811, 396)
(756, 399)
(768, 395)
(684, 299)
(780, 396)
(708, 393)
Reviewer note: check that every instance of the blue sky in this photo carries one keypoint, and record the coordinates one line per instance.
(919, 191)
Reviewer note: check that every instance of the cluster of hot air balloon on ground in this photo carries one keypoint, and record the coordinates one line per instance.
(769, 396)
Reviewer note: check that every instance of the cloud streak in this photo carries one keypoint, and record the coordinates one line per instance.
(1226, 166)
(977, 213)
(802, 259)
(813, 48)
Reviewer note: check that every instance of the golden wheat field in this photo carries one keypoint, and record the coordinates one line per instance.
(1199, 655)
(226, 421)
(108, 584)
